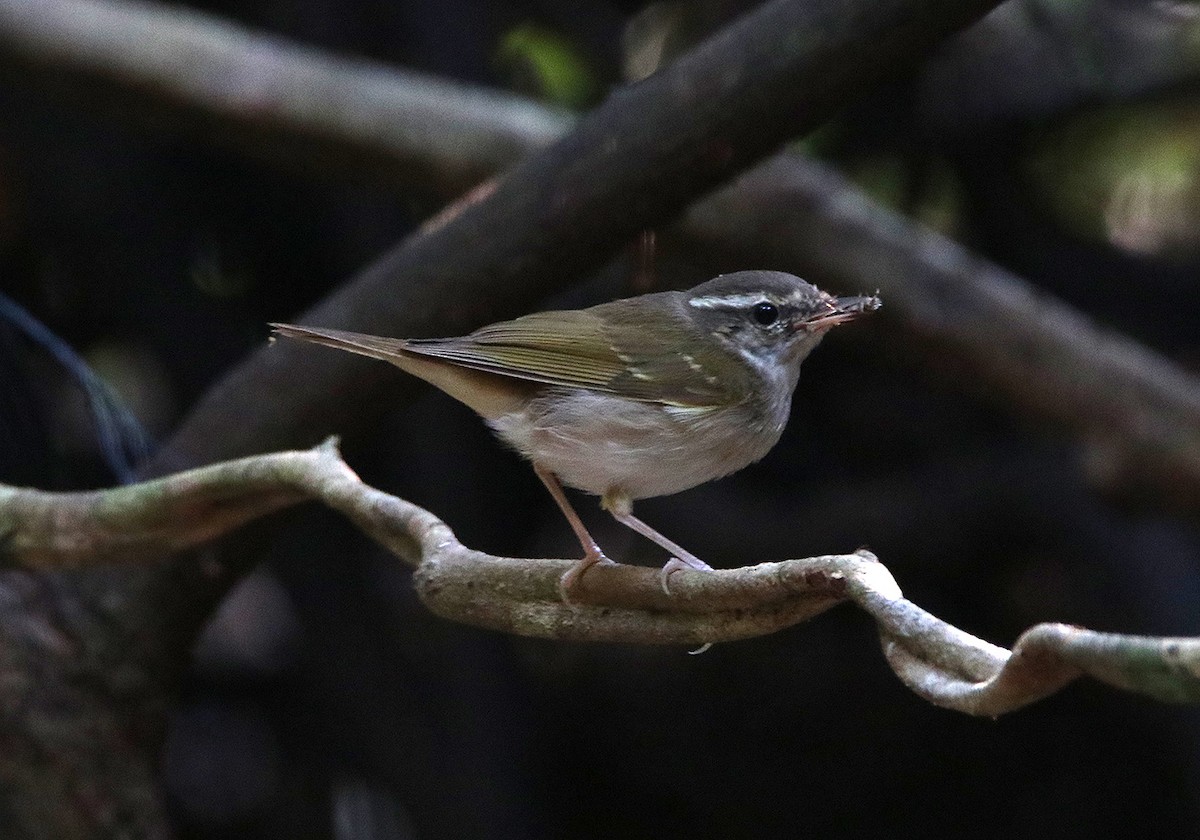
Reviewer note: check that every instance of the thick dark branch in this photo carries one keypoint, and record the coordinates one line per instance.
(632, 163)
(201, 76)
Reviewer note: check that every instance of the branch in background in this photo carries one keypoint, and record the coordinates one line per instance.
(197, 75)
(1138, 412)
(632, 163)
(616, 603)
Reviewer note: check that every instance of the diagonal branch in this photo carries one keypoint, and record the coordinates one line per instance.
(616, 603)
(632, 163)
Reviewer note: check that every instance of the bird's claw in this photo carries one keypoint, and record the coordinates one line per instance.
(570, 578)
(675, 564)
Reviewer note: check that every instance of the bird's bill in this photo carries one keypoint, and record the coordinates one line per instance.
(841, 310)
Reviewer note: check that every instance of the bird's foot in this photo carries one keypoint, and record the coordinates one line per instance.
(688, 561)
(570, 578)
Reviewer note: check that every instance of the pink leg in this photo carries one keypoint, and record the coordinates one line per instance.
(682, 559)
(591, 551)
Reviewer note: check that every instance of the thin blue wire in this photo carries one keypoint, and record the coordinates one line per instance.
(123, 440)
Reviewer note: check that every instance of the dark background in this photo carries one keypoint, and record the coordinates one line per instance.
(325, 702)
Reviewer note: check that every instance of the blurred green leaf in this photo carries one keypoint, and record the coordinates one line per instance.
(547, 66)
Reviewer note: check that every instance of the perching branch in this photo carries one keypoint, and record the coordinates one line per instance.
(616, 603)
(632, 163)
(822, 210)
(81, 737)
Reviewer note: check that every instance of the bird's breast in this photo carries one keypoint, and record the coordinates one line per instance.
(602, 442)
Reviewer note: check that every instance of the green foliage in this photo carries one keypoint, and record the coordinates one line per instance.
(547, 66)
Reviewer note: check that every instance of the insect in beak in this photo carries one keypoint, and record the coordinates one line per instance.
(840, 311)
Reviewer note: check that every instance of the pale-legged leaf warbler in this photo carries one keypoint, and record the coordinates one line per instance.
(635, 398)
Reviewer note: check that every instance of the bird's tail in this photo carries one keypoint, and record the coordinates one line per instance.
(377, 347)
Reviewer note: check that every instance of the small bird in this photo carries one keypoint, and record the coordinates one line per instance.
(641, 397)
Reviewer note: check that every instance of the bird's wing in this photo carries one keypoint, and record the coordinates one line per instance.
(577, 349)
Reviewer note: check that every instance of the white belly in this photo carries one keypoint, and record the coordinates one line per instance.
(606, 444)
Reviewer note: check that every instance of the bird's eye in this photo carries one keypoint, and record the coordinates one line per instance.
(766, 313)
